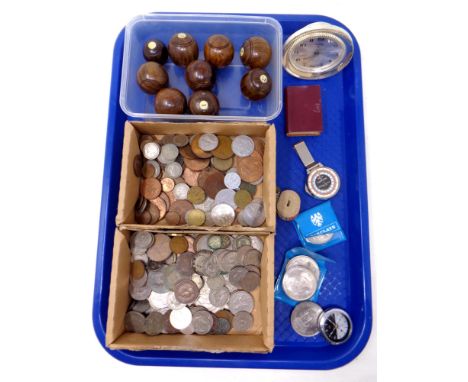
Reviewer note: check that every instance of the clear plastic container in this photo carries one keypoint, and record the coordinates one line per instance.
(233, 105)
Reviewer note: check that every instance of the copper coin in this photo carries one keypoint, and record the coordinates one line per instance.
(143, 217)
(180, 140)
(167, 326)
(224, 150)
(148, 170)
(150, 188)
(187, 153)
(226, 314)
(137, 165)
(221, 164)
(259, 145)
(173, 218)
(181, 207)
(178, 244)
(250, 168)
(191, 245)
(138, 270)
(167, 184)
(161, 204)
(191, 177)
(171, 197)
(186, 291)
(154, 212)
(242, 198)
(196, 164)
(196, 148)
(166, 199)
(184, 264)
(168, 138)
(212, 181)
(160, 250)
(196, 195)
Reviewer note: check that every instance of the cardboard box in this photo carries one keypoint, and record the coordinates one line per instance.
(259, 339)
(129, 182)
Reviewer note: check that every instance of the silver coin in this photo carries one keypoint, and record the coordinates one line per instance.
(169, 153)
(232, 180)
(156, 166)
(181, 318)
(223, 215)
(184, 264)
(257, 243)
(188, 330)
(142, 239)
(180, 191)
(143, 257)
(202, 243)
(154, 324)
(243, 146)
(320, 239)
(173, 170)
(299, 283)
(210, 267)
(198, 280)
(226, 196)
(229, 260)
(242, 321)
(158, 301)
(141, 306)
(237, 274)
(223, 326)
(208, 142)
(173, 303)
(242, 240)
(172, 276)
(305, 261)
(137, 251)
(206, 206)
(134, 322)
(151, 150)
(199, 261)
(216, 282)
(156, 281)
(219, 297)
(253, 215)
(172, 259)
(241, 301)
(202, 322)
(253, 257)
(139, 293)
(305, 319)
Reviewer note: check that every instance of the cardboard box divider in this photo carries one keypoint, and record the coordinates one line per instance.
(129, 182)
(260, 338)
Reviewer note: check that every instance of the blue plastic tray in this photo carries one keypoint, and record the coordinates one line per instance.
(347, 284)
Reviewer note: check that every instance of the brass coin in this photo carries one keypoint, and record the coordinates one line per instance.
(196, 164)
(160, 250)
(181, 207)
(138, 270)
(195, 217)
(154, 212)
(250, 188)
(197, 150)
(242, 198)
(178, 244)
(167, 184)
(196, 195)
(191, 177)
(161, 204)
(187, 153)
(173, 218)
(137, 165)
(150, 188)
(250, 168)
(224, 150)
(221, 164)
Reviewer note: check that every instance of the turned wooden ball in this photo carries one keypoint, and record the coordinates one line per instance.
(200, 75)
(219, 50)
(170, 101)
(256, 84)
(183, 49)
(203, 102)
(155, 50)
(255, 52)
(152, 77)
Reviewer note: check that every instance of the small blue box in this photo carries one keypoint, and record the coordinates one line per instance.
(318, 228)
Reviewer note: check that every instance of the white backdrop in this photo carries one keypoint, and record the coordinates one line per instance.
(54, 85)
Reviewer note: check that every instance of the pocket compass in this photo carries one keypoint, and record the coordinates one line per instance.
(317, 51)
(322, 182)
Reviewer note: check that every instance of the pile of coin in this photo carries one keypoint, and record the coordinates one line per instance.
(301, 278)
(204, 179)
(197, 284)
